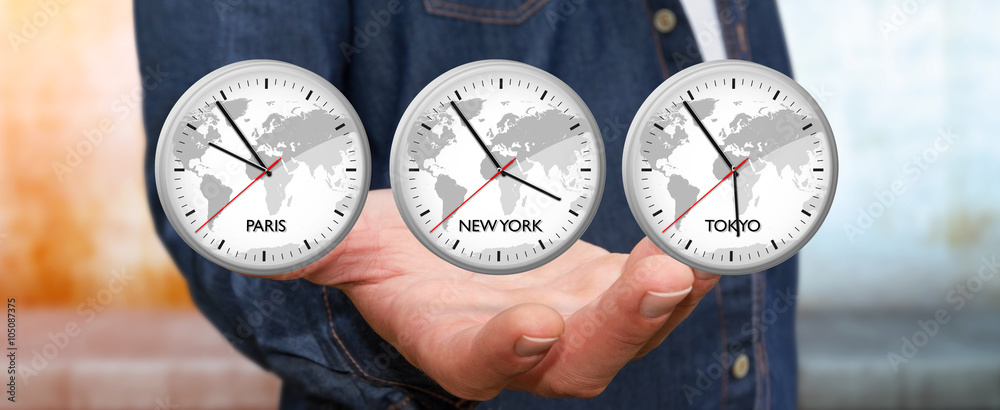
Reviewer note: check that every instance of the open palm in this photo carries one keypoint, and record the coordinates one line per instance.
(564, 329)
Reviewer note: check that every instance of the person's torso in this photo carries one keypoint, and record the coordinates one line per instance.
(381, 54)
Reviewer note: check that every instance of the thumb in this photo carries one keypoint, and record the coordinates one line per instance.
(511, 343)
(643, 249)
(354, 256)
(319, 271)
(646, 248)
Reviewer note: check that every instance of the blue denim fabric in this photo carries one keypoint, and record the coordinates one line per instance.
(380, 54)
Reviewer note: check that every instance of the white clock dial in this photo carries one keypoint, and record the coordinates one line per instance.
(730, 167)
(497, 167)
(262, 167)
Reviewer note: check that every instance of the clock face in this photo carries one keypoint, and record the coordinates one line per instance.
(730, 167)
(262, 167)
(497, 167)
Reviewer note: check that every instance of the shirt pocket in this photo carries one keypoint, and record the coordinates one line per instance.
(505, 12)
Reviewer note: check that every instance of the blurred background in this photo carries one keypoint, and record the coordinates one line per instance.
(898, 305)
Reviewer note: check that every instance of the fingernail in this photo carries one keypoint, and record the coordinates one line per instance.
(656, 304)
(701, 275)
(528, 346)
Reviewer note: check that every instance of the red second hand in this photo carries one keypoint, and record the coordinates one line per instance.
(706, 194)
(237, 195)
(473, 194)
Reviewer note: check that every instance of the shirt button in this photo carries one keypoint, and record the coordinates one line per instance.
(664, 20)
(741, 366)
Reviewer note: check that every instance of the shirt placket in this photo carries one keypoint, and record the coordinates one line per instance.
(674, 36)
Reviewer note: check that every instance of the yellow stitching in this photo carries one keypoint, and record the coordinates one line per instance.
(483, 10)
(725, 345)
(484, 19)
(763, 343)
(660, 58)
(400, 404)
(329, 315)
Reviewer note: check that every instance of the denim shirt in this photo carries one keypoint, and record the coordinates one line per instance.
(380, 54)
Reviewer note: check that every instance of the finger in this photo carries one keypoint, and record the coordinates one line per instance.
(604, 335)
(319, 271)
(478, 363)
(703, 284)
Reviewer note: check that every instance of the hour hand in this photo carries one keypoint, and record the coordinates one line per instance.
(244, 160)
(736, 200)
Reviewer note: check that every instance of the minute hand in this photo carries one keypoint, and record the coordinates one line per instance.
(240, 158)
(476, 135)
(707, 135)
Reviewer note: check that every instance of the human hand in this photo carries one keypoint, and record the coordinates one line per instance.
(562, 330)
